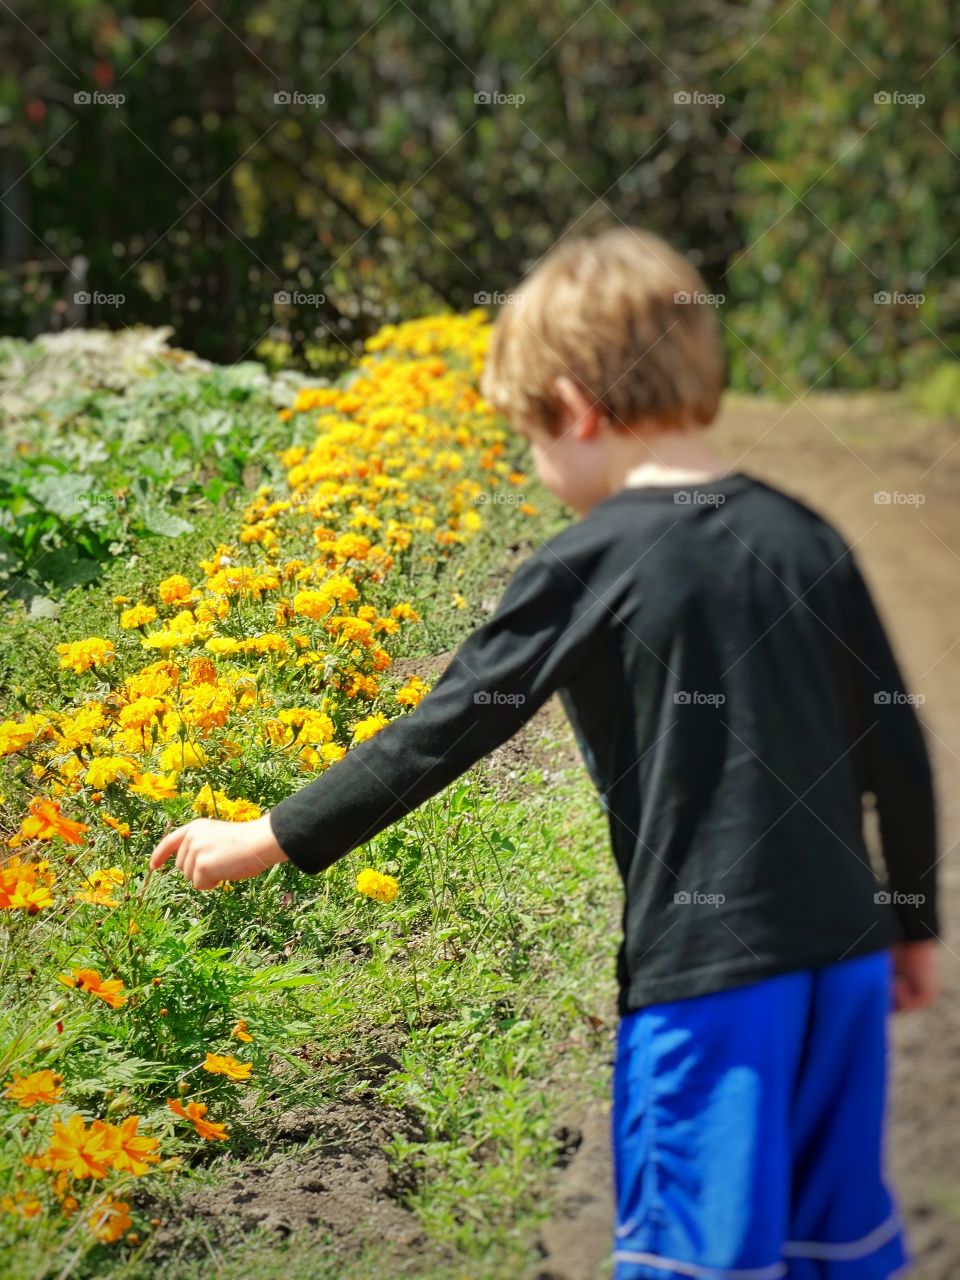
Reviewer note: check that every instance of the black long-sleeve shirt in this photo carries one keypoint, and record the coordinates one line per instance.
(734, 696)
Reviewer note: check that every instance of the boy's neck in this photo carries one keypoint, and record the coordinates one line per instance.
(665, 457)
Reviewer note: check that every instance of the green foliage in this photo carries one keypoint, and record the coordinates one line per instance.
(216, 191)
(107, 450)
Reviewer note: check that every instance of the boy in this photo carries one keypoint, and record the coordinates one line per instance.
(734, 696)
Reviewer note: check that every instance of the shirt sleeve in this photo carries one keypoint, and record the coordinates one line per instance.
(897, 771)
(538, 635)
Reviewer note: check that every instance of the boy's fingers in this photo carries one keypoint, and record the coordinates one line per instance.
(169, 845)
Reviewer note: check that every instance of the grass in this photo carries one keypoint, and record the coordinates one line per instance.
(485, 982)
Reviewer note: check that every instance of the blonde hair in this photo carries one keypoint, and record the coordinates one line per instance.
(621, 314)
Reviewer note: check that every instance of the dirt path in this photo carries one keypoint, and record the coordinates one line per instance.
(837, 454)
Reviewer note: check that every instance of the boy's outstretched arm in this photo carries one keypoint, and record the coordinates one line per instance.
(540, 632)
(899, 774)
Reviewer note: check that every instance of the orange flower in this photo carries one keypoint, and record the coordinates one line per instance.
(46, 822)
(122, 828)
(38, 1086)
(240, 1030)
(110, 1220)
(90, 980)
(23, 1203)
(132, 1151)
(195, 1112)
(224, 1065)
(82, 1153)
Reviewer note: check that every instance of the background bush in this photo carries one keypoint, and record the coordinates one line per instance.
(211, 188)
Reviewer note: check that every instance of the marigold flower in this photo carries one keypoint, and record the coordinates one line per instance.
(366, 728)
(154, 786)
(81, 655)
(239, 1030)
(22, 1203)
(414, 691)
(107, 769)
(138, 616)
(383, 888)
(173, 589)
(182, 755)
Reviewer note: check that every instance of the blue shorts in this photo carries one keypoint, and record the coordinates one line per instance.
(748, 1131)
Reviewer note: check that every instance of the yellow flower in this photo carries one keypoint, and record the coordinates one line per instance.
(311, 604)
(412, 692)
(224, 1065)
(15, 735)
(154, 786)
(81, 655)
(380, 887)
(172, 590)
(107, 769)
(138, 616)
(100, 887)
(182, 755)
(366, 728)
(240, 1031)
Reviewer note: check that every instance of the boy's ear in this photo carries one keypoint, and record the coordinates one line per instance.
(585, 413)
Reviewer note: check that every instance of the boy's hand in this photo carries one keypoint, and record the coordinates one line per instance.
(914, 975)
(209, 851)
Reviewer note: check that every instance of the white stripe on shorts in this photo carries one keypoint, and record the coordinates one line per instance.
(774, 1272)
